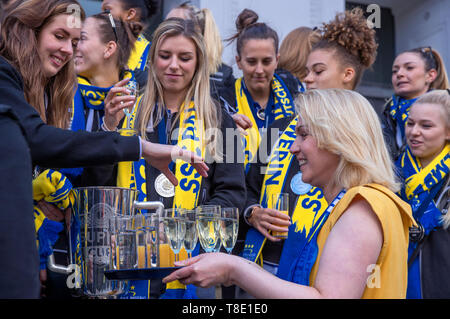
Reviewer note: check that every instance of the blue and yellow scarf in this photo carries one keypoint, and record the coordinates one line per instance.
(307, 213)
(419, 182)
(139, 54)
(399, 110)
(132, 175)
(283, 107)
(54, 188)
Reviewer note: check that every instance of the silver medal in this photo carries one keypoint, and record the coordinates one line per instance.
(164, 187)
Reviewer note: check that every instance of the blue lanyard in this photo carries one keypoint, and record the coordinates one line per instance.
(164, 134)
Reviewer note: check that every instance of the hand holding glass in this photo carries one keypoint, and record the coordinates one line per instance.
(280, 202)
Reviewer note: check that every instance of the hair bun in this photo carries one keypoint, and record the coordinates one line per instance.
(350, 30)
(135, 28)
(245, 19)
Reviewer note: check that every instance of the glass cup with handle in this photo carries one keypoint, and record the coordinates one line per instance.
(280, 202)
(229, 226)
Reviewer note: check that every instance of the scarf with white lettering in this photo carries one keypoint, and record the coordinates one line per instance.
(283, 107)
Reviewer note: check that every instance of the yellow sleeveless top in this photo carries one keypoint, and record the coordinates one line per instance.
(388, 278)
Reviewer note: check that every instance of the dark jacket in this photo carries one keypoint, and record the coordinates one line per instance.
(53, 147)
(19, 265)
(389, 127)
(225, 184)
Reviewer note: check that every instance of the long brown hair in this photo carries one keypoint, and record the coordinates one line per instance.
(23, 21)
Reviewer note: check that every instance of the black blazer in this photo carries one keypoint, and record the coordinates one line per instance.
(54, 147)
(19, 266)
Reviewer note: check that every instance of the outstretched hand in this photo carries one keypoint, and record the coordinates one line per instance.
(160, 156)
(205, 270)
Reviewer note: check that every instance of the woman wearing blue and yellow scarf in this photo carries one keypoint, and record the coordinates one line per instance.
(425, 168)
(102, 52)
(99, 58)
(327, 67)
(177, 108)
(260, 96)
(414, 72)
(359, 247)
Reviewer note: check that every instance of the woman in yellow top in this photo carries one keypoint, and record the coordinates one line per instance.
(359, 249)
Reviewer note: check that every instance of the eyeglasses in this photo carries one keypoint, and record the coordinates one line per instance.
(113, 24)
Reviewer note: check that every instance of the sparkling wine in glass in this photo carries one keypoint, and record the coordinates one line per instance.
(191, 235)
(174, 229)
(208, 226)
(229, 226)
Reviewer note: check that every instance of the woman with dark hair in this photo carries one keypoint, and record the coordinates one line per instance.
(139, 11)
(260, 96)
(414, 72)
(37, 40)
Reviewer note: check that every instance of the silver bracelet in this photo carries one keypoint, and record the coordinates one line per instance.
(105, 128)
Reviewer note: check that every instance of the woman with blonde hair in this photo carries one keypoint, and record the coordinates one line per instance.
(424, 166)
(221, 75)
(365, 228)
(177, 108)
(333, 63)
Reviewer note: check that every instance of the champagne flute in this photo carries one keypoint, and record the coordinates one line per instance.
(208, 232)
(207, 226)
(174, 229)
(191, 235)
(229, 226)
(133, 87)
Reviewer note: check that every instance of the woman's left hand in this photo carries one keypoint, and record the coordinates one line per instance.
(117, 99)
(205, 270)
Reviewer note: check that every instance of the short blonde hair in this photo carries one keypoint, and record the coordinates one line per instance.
(344, 123)
(438, 97)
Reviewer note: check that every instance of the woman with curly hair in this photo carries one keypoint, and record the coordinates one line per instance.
(347, 49)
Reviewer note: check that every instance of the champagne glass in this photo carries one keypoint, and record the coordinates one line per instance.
(174, 229)
(208, 232)
(208, 226)
(229, 226)
(280, 202)
(133, 87)
(191, 235)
